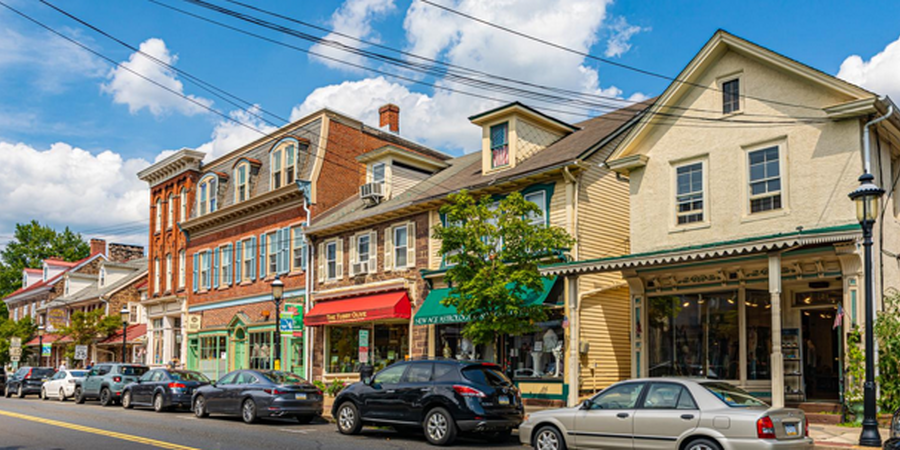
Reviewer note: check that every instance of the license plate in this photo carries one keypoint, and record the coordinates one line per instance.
(300, 396)
(503, 400)
(790, 429)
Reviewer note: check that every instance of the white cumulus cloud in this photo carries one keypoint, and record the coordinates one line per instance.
(619, 41)
(878, 74)
(52, 62)
(353, 18)
(127, 88)
(229, 135)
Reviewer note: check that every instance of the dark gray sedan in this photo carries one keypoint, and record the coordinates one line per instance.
(253, 394)
(163, 389)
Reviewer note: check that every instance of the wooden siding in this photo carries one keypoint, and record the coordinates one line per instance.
(606, 324)
(558, 205)
(403, 179)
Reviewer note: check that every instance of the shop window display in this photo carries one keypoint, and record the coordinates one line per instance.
(261, 350)
(389, 343)
(759, 335)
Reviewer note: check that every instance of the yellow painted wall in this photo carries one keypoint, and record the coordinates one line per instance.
(605, 324)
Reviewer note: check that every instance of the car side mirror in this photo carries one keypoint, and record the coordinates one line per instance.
(213, 384)
(585, 405)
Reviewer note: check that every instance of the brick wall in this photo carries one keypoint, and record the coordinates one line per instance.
(170, 241)
(129, 294)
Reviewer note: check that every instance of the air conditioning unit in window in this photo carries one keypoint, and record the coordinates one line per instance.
(361, 268)
(371, 193)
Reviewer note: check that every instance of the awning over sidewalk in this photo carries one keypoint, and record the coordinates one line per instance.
(433, 312)
(49, 339)
(389, 305)
(135, 335)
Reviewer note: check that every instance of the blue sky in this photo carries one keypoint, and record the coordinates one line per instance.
(73, 132)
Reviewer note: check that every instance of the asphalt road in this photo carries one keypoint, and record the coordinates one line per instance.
(34, 424)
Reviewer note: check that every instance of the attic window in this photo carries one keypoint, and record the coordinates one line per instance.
(731, 96)
(378, 173)
(500, 145)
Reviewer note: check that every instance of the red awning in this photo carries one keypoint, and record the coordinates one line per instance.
(135, 333)
(49, 339)
(390, 305)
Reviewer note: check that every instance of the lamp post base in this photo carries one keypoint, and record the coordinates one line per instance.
(870, 437)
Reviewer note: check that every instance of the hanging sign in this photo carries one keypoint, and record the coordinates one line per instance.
(286, 326)
(297, 310)
(46, 349)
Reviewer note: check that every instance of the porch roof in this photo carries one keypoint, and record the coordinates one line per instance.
(756, 244)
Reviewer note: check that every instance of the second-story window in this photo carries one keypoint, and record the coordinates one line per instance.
(205, 279)
(765, 180)
(540, 199)
(208, 195)
(158, 216)
(401, 247)
(689, 197)
(169, 272)
(331, 260)
(272, 253)
(241, 186)
(170, 212)
(298, 249)
(731, 96)
(500, 145)
(182, 264)
(225, 267)
(182, 204)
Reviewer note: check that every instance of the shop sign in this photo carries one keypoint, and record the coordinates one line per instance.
(297, 310)
(81, 352)
(194, 321)
(442, 319)
(286, 325)
(56, 318)
(15, 351)
(46, 349)
(364, 346)
(354, 316)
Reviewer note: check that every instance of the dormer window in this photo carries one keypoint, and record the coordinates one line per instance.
(283, 162)
(500, 145)
(207, 199)
(102, 276)
(241, 186)
(378, 173)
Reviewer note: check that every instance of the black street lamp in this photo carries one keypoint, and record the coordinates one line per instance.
(40, 329)
(277, 295)
(124, 313)
(867, 197)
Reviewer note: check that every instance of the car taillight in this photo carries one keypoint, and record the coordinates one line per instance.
(274, 391)
(806, 427)
(765, 429)
(467, 391)
(29, 373)
(117, 379)
(176, 386)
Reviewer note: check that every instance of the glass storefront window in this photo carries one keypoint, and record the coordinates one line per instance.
(694, 335)
(388, 343)
(261, 349)
(158, 341)
(176, 349)
(758, 309)
(391, 344)
(212, 356)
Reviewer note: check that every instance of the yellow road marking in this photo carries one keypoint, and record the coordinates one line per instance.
(112, 434)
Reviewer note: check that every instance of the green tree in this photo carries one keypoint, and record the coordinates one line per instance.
(31, 244)
(887, 332)
(23, 329)
(493, 249)
(84, 328)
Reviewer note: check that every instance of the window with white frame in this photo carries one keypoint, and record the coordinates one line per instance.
(158, 216)
(731, 96)
(182, 272)
(331, 260)
(539, 198)
(204, 270)
(765, 180)
(298, 249)
(289, 155)
(363, 247)
(208, 195)
(277, 173)
(169, 272)
(66, 287)
(182, 203)
(689, 193)
(241, 186)
(225, 267)
(401, 246)
(170, 212)
(378, 173)
(272, 252)
(248, 253)
(283, 160)
(156, 276)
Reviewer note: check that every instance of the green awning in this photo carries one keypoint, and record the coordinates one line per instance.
(433, 312)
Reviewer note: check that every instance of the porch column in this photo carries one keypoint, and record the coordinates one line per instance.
(573, 373)
(777, 357)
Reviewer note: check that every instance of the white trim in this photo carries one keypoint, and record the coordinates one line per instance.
(674, 226)
(781, 144)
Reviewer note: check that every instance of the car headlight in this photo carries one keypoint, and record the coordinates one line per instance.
(525, 418)
(895, 425)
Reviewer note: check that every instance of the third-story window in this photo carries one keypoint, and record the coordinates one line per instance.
(689, 199)
(169, 272)
(156, 276)
(208, 195)
(182, 203)
(276, 169)
(170, 212)
(500, 145)
(298, 249)
(731, 96)
(241, 185)
(331, 260)
(289, 153)
(182, 263)
(158, 216)
(378, 173)
(401, 245)
(765, 180)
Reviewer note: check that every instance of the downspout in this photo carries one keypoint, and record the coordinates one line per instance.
(310, 267)
(867, 154)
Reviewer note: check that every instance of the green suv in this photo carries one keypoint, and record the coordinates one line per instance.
(106, 381)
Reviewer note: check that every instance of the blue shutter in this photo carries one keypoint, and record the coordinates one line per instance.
(207, 262)
(285, 250)
(262, 256)
(215, 272)
(252, 273)
(228, 270)
(196, 282)
(238, 261)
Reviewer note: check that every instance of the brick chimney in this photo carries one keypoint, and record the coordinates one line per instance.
(125, 252)
(98, 246)
(389, 116)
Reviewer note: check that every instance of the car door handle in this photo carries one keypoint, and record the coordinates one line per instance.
(687, 416)
(390, 391)
(425, 389)
(622, 415)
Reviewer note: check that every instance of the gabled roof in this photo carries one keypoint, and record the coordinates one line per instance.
(721, 42)
(94, 291)
(525, 110)
(42, 286)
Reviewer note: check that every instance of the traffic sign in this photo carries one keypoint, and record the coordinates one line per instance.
(15, 359)
(15, 342)
(81, 352)
(15, 351)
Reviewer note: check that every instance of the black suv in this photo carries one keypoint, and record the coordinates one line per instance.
(27, 381)
(443, 397)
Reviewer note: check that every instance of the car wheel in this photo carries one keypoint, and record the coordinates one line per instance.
(548, 438)
(20, 393)
(439, 427)
(348, 419)
(43, 394)
(248, 411)
(6, 391)
(200, 407)
(62, 395)
(305, 419)
(126, 400)
(105, 397)
(702, 444)
(79, 396)
(158, 404)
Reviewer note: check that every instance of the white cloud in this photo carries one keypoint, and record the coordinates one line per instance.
(619, 41)
(229, 135)
(353, 18)
(53, 62)
(878, 74)
(138, 93)
(68, 186)
(440, 119)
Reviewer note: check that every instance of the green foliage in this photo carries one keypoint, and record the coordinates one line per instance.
(335, 388)
(320, 385)
(23, 329)
(856, 368)
(494, 251)
(84, 328)
(887, 331)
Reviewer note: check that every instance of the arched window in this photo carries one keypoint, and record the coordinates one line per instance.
(182, 202)
(170, 211)
(284, 163)
(208, 193)
(158, 224)
(241, 181)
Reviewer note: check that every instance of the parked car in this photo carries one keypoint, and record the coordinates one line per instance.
(62, 385)
(27, 381)
(893, 442)
(106, 381)
(162, 389)
(669, 413)
(442, 397)
(253, 394)
(2, 378)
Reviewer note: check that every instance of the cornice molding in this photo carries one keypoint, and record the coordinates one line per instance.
(256, 207)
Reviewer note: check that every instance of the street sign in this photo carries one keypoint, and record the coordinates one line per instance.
(287, 324)
(15, 342)
(193, 322)
(15, 351)
(297, 310)
(364, 346)
(81, 352)
(46, 349)
(363, 338)
(15, 359)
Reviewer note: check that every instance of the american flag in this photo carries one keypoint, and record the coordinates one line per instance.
(838, 318)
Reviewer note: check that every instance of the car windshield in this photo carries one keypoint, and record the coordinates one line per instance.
(486, 374)
(133, 370)
(78, 373)
(41, 373)
(189, 376)
(733, 396)
(283, 378)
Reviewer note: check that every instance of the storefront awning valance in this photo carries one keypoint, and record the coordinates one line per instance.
(389, 305)
(433, 312)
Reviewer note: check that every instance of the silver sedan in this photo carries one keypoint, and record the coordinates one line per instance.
(669, 414)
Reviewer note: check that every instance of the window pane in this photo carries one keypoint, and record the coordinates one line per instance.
(418, 373)
(759, 335)
(623, 396)
(378, 173)
(390, 375)
(686, 401)
(662, 396)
